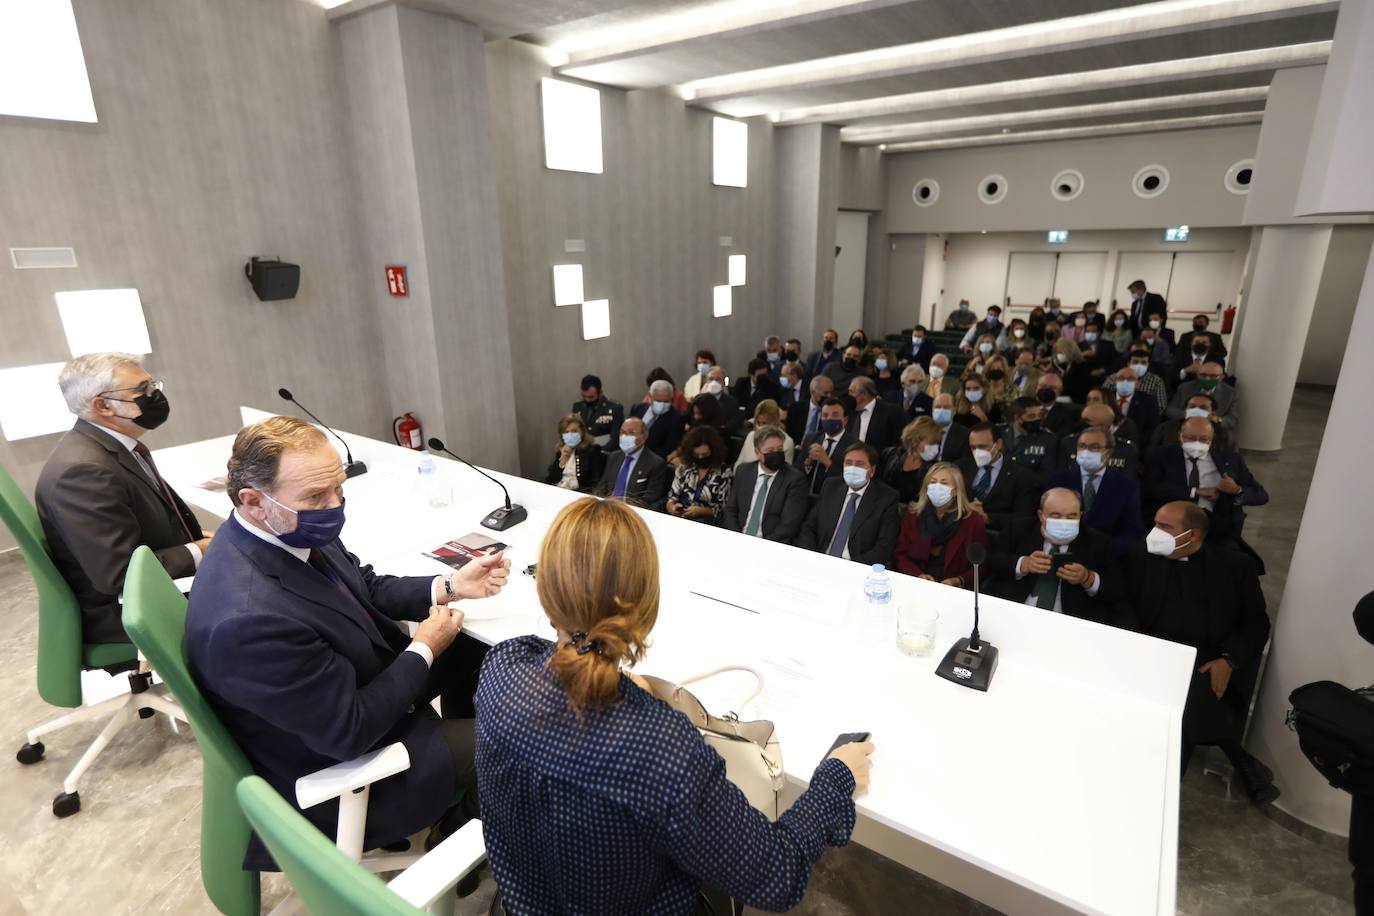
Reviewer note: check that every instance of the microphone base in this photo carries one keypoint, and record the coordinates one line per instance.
(355, 469)
(967, 667)
(503, 518)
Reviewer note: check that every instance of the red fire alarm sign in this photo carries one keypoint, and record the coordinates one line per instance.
(396, 281)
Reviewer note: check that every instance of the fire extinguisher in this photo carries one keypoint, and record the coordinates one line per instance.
(407, 431)
(1228, 319)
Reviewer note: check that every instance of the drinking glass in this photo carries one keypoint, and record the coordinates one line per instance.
(916, 629)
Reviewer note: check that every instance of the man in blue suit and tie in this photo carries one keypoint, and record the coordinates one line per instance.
(301, 650)
(1111, 500)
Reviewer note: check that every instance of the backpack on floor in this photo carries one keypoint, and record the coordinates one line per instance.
(1335, 727)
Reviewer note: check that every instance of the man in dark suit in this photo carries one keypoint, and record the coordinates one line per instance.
(793, 395)
(1111, 500)
(665, 425)
(768, 497)
(1216, 479)
(1211, 381)
(996, 487)
(1028, 443)
(919, 351)
(1143, 304)
(635, 473)
(1142, 409)
(856, 516)
(1186, 590)
(911, 397)
(1059, 417)
(1200, 404)
(756, 386)
(805, 419)
(1086, 584)
(818, 455)
(302, 652)
(734, 414)
(875, 420)
(1191, 359)
(1201, 331)
(953, 436)
(1124, 457)
(100, 495)
(817, 361)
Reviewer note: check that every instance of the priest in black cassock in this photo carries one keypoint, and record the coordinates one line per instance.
(1207, 597)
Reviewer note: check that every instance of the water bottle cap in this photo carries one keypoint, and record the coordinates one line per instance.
(426, 466)
(878, 567)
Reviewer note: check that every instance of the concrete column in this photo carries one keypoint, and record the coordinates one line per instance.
(1278, 306)
(933, 283)
(1314, 638)
(806, 203)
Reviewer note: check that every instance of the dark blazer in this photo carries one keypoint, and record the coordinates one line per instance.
(819, 475)
(795, 423)
(1116, 509)
(884, 427)
(913, 547)
(1060, 418)
(920, 405)
(1144, 411)
(1091, 549)
(872, 537)
(817, 360)
(648, 483)
(602, 419)
(1125, 456)
(784, 511)
(97, 505)
(1036, 452)
(1166, 480)
(665, 432)
(1103, 356)
(1015, 493)
(921, 356)
(1151, 304)
(955, 444)
(590, 463)
(747, 395)
(1215, 345)
(303, 679)
(1166, 434)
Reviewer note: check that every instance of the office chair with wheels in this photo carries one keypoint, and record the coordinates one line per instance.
(62, 655)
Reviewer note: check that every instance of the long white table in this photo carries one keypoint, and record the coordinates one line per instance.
(1054, 792)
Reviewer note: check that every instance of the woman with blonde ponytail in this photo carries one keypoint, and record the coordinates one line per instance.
(596, 796)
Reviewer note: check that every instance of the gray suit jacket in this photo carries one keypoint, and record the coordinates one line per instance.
(1227, 398)
(97, 505)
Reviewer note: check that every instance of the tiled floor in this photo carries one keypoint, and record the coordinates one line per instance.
(132, 849)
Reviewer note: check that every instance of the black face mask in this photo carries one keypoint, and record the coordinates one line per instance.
(996, 375)
(702, 462)
(1046, 396)
(791, 355)
(1199, 330)
(155, 410)
(1199, 351)
(850, 364)
(827, 345)
(774, 461)
(1031, 426)
(858, 342)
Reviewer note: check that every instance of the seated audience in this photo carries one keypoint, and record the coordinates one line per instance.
(733, 412)
(303, 654)
(819, 454)
(818, 360)
(1210, 380)
(660, 374)
(701, 481)
(1157, 322)
(791, 351)
(695, 385)
(911, 396)
(1218, 480)
(961, 318)
(1147, 382)
(997, 489)
(100, 496)
(974, 407)
(1100, 358)
(919, 351)
(1044, 350)
(844, 371)
(707, 411)
(792, 381)
(1192, 355)
(984, 349)
(903, 466)
(937, 528)
(766, 415)
(1016, 338)
(1134, 405)
(600, 415)
(855, 516)
(756, 385)
(805, 419)
(1053, 562)
(1203, 405)
(1144, 304)
(941, 380)
(1125, 457)
(772, 354)
(1060, 415)
(577, 461)
(1025, 377)
(664, 422)
(1201, 332)
(858, 338)
(953, 436)
(1077, 374)
(875, 420)
(635, 473)
(1119, 331)
(1186, 590)
(991, 325)
(880, 366)
(580, 765)
(768, 498)
(1111, 500)
(1028, 443)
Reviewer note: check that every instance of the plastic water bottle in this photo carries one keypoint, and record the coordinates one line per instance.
(433, 485)
(875, 621)
(878, 587)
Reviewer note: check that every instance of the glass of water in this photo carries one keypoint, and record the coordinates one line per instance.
(916, 629)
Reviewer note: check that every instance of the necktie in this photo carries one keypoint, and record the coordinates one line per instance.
(142, 452)
(980, 486)
(1047, 585)
(623, 477)
(818, 472)
(1089, 494)
(756, 514)
(322, 566)
(841, 538)
(1194, 477)
(1121, 405)
(812, 419)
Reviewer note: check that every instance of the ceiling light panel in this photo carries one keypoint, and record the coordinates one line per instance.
(1071, 133)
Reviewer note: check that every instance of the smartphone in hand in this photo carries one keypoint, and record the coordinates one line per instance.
(848, 738)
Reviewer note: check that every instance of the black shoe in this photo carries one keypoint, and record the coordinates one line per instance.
(468, 885)
(1257, 780)
(402, 845)
(446, 826)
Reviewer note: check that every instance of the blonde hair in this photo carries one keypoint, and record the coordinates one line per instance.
(1070, 349)
(598, 582)
(961, 506)
(767, 413)
(921, 429)
(258, 448)
(573, 419)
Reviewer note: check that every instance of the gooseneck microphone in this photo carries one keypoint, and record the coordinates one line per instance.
(352, 468)
(971, 662)
(497, 519)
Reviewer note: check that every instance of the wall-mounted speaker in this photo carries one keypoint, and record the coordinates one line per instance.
(1067, 185)
(1239, 176)
(273, 279)
(1150, 181)
(925, 192)
(992, 189)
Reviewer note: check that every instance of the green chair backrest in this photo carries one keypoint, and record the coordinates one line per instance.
(59, 615)
(326, 880)
(155, 618)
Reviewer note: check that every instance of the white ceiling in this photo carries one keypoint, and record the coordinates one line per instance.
(632, 45)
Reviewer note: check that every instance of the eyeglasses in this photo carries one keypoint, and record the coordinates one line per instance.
(147, 388)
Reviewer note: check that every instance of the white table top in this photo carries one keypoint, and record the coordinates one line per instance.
(1060, 783)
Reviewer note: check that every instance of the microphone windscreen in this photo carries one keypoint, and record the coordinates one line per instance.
(284, 394)
(977, 553)
(437, 444)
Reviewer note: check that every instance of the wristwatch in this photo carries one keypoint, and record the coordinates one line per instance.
(448, 588)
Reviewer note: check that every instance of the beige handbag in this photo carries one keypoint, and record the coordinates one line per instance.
(753, 757)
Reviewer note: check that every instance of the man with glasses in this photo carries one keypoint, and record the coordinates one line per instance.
(1111, 500)
(100, 495)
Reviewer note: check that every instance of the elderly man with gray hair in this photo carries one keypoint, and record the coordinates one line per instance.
(664, 423)
(100, 495)
(911, 397)
(875, 421)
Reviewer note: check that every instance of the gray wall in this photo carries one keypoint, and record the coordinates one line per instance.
(651, 223)
(806, 202)
(219, 138)
(1337, 295)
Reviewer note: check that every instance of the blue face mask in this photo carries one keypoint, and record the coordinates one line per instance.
(917, 339)
(703, 368)
(993, 319)
(1061, 529)
(880, 364)
(314, 527)
(785, 382)
(832, 427)
(1124, 389)
(1089, 336)
(855, 477)
(628, 443)
(939, 494)
(942, 416)
(1140, 369)
(660, 407)
(1089, 461)
(985, 347)
(774, 357)
(974, 396)
(572, 440)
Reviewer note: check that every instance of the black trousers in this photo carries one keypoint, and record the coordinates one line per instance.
(453, 679)
(1361, 852)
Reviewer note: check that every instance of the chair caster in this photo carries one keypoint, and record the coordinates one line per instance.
(146, 712)
(30, 753)
(66, 804)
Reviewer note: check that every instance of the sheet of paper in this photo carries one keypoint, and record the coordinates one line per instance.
(814, 599)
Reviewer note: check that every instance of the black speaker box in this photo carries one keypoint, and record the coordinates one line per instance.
(273, 280)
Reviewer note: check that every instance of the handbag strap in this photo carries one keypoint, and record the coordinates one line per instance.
(740, 704)
(759, 732)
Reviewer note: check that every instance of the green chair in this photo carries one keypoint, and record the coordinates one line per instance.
(327, 881)
(62, 656)
(155, 619)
